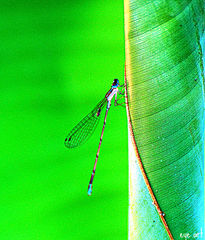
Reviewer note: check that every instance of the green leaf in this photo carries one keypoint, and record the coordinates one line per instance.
(165, 90)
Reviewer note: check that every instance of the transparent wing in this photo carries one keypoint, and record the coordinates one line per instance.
(84, 129)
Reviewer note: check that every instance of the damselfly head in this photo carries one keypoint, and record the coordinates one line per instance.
(115, 83)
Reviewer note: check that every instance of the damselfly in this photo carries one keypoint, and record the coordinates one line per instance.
(84, 129)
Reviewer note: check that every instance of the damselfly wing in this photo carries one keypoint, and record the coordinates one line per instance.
(85, 128)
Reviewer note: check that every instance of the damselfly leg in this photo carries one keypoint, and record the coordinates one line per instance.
(118, 101)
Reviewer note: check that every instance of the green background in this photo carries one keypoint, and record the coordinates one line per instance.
(58, 59)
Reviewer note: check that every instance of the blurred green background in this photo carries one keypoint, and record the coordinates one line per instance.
(58, 59)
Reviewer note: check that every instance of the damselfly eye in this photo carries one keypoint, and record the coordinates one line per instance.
(65, 139)
(69, 139)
